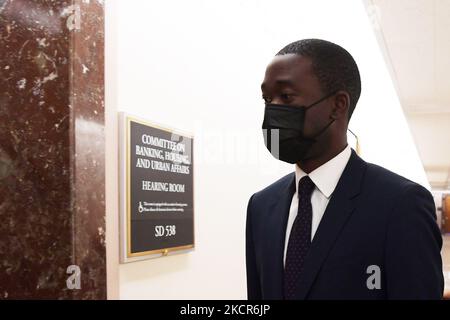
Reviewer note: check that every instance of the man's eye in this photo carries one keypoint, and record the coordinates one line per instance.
(286, 96)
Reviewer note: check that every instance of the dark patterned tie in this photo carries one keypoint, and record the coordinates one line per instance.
(299, 238)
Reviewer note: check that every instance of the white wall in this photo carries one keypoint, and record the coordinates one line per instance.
(432, 133)
(111, 149)
(197, 66)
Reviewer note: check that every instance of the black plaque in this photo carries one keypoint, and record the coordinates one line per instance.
(160, 195)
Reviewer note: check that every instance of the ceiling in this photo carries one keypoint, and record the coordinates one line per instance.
(414, 38)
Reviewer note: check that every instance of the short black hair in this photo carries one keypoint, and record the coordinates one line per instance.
(333, 65)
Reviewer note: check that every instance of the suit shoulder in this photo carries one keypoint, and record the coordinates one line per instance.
(274, 187)
(389, 181)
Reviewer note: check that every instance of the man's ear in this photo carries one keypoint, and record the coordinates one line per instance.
(341, 105)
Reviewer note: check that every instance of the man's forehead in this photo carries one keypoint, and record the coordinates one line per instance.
(287, 69)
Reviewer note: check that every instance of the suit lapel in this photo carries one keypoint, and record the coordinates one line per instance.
(275, 230)
(338, 211)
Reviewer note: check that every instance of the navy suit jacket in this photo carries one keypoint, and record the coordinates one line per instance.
(374, 218)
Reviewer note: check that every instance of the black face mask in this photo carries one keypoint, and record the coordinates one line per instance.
(283, 130)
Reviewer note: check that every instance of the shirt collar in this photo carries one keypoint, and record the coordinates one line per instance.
(327, 176)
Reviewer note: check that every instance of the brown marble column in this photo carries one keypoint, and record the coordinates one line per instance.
(52, 208)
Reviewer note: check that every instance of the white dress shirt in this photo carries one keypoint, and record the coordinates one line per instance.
(325, 178)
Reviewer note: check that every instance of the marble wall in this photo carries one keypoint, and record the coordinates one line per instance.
(52, 206)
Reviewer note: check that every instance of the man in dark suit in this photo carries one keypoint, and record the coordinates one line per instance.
(338, 227)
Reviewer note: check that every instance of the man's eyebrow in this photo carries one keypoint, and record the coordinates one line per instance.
(280, 82)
